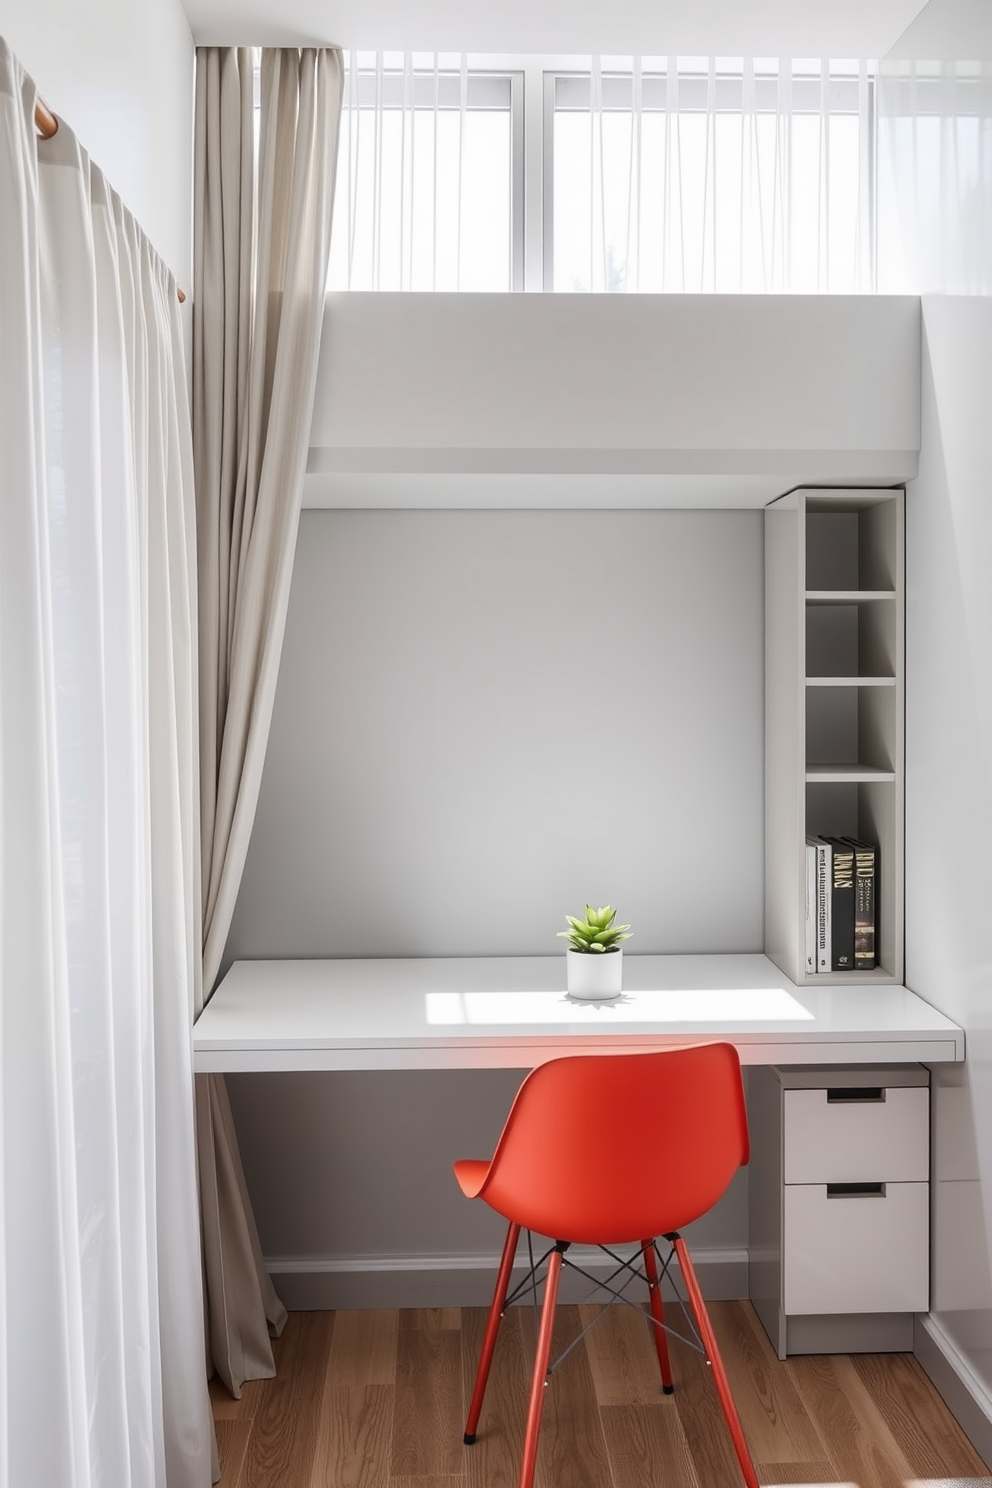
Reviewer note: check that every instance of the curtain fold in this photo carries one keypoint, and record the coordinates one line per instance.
(261, 248)
(101, 1312)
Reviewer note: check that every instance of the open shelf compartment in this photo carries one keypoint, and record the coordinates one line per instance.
(834, 716)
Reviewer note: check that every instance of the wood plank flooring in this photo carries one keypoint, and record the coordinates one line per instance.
(377, 1400)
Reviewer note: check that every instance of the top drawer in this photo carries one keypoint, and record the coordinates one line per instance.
(860, 1140)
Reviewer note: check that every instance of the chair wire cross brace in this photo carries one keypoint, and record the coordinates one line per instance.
(530, 1283)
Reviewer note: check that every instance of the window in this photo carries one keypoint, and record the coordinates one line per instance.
(429, 185)
(936, 130)
(649, 174)
(710, 175)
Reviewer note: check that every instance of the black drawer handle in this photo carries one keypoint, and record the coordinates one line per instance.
(840, 1094)
(855, 1190)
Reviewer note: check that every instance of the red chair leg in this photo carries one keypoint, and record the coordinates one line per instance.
(492, 1329)
(654, 1296)
(716, 1363)
(539, 1382)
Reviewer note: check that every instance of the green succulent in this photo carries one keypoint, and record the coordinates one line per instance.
(596, 932)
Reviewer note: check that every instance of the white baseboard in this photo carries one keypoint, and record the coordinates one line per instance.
(965, 1393)
(317, 1283)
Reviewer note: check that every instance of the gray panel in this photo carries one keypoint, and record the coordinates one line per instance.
(356, 1164)
(350, 1166)
(764, 1107)
(850, 1333)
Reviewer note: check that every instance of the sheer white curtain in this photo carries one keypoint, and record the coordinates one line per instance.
(101, 1323)
(426, 194)
(732, 176)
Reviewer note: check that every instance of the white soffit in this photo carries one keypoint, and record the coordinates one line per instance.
(486, 491)
(592, 401)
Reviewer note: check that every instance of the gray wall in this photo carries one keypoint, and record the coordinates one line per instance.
(356, 1202)
(482, 720)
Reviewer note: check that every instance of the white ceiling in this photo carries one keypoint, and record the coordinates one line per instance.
(754, 28)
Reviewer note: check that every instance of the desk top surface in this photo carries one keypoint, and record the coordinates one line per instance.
(512, 1012)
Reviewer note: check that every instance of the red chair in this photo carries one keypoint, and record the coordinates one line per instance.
(609, 1150)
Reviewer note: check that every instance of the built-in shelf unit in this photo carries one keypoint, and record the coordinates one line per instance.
(834, 712)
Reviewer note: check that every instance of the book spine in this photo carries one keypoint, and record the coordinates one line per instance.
(842, 908)
(865, 869)
(823, 906)
(810, 908)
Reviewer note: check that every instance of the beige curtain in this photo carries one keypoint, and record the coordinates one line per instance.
(261, 244)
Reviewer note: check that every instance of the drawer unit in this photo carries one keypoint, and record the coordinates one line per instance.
(860, 1133)
(839, 1206)
(855, 1247)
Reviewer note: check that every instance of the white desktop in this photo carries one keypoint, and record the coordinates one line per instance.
(512, 1012)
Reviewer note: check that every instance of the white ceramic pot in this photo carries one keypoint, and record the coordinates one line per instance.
(593, 977)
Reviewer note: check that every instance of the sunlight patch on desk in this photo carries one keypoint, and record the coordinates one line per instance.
(731, 1005)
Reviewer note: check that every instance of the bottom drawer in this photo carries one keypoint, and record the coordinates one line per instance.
(856, 1251)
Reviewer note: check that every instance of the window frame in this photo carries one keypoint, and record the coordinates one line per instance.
(394, 77)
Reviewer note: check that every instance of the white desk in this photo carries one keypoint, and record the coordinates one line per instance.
(511, 1012)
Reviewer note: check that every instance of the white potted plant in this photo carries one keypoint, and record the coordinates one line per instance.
(594, 959)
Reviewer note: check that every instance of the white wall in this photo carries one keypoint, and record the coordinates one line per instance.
(936, 102)
(120, 72)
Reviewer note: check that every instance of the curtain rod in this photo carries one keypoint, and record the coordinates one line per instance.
(44, 120)
(47, 125)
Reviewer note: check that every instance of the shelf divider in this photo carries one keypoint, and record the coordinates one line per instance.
(846, 774)
(850, 681)
(848, 596)
(834, 744)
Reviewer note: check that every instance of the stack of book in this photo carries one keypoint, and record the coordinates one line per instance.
(841, 894)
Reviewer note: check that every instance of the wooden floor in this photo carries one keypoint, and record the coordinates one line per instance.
(376, 1400)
